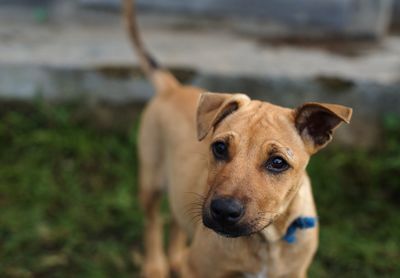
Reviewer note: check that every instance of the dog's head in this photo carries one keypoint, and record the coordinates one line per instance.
(258, 153)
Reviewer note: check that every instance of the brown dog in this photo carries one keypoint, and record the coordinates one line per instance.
(244, 176)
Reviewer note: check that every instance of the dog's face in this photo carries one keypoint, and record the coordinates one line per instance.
(258, 153)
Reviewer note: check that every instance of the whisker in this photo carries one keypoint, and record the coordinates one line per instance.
(191, 212)
(194, 209)
(195, 193)
(194, 203)
(191, 208)
(195, 219)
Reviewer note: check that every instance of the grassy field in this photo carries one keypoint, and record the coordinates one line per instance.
(68, 204)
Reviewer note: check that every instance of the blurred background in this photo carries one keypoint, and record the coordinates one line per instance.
(71, 94)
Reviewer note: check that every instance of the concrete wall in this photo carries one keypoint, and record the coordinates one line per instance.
(355, 18)
(396, 13)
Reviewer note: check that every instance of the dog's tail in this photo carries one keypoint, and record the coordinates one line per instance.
(162, 79)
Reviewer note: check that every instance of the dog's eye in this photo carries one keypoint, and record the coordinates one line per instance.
(220, 150)
(276, 164)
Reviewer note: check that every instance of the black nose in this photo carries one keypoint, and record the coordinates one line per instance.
(226, 210)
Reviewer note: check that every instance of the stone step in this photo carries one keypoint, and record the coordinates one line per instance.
(120, 86)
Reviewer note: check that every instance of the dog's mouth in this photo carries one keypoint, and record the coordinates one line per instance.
(235, 230)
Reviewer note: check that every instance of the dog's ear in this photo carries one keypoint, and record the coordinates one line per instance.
(214, 107)
(316, 122)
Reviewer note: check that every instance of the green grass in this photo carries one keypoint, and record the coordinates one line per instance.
(68, 205)
(357, 194)
(67, 197)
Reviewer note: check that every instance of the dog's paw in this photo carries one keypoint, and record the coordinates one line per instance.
(176, 262)
(155, 269)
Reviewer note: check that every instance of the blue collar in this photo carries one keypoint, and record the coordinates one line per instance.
(299, 223)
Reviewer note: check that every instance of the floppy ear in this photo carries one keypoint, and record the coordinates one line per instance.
(316, 122)
(214, 107)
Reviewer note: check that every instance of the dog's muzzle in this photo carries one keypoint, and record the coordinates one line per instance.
(224, 215)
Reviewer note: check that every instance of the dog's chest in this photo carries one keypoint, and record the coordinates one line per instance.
(268, 256)
(261, 274)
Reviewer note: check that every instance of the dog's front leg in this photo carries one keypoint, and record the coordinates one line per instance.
(155, 264)
(205, 257)
(152, 187)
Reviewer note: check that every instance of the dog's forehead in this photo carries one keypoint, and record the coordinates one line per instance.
(261, 122)
(262, 116)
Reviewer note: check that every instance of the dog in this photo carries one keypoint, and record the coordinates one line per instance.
(234, 170)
